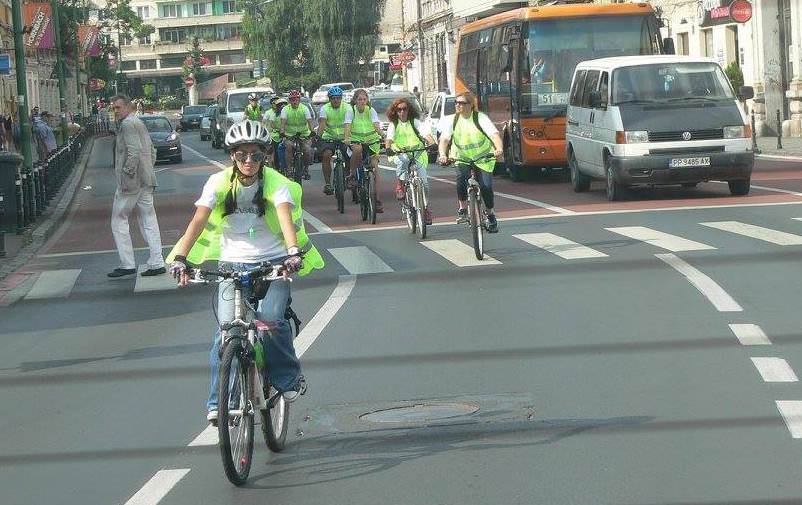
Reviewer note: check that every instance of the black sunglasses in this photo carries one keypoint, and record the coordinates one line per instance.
(461, 103)
(256, 156)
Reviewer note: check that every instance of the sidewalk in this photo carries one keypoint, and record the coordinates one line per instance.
(792, 146)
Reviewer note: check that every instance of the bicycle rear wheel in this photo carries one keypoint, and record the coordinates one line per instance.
(475, 217)
(420, 211)
(339, 187)
(371, 196)
(235, 413)
(363, 201)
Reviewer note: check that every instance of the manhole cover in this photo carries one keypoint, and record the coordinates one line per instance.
(420, 412)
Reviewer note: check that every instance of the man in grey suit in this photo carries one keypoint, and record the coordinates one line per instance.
(134, 157)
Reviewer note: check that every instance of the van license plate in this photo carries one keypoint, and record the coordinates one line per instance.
(689, 162)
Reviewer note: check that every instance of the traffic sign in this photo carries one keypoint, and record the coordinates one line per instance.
(189, 81)
(741, 11)
(393, 66)
(407, 57)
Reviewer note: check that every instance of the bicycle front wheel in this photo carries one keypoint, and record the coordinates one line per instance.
(275, 421)
(475, 217)
(339, 187)
(420, 213)
(408, 209)
(235, 412)
(297, 167)
(372, 196)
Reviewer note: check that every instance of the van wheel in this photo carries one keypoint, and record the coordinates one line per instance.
(739, 188)
(615, 190)
(579, 181)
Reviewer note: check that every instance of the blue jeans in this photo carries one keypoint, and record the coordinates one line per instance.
(485, 180)
(283, 365)
(401, 161)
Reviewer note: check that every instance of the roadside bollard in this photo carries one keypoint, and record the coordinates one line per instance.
(779, 131)
(2, 231)
(12, 216)
(755, 148)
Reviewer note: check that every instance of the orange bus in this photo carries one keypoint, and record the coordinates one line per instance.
(520, 63)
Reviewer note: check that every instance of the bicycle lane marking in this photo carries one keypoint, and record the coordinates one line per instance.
(309, 218)
(304, 340)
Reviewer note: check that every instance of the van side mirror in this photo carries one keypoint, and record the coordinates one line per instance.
(746, 93)
(668, 46)
(595, 100)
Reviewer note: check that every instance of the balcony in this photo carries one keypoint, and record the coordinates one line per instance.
(167, 72)
(160, 48)
(157, 23)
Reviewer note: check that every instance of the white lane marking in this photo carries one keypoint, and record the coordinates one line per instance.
(774, 370)
(458, 253)
(791, 410)
(317, 223)
(536, 203)
(196, 153)
(307, 337)
(660, 239)
(778, 157)
(758, 232)
(707, 286)
(797, 218)
(359, 260)
(207, 437)
(157, 487)
(53, 284)
(163, 282)
(765, 188)
(560, 246)
(750, 334)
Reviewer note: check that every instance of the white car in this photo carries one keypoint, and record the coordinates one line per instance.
(442, 111)
(321, 96)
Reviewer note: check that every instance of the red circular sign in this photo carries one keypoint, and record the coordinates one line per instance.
(741, 11)
(189, 81)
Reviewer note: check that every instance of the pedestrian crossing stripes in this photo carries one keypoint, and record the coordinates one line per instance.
(458, 253)
(660, 239)
(162, 282)
(750, 334)
(560, 246)
(53, 284)
(756, 232)
(774, 370)
(791, 410)
(359, 260)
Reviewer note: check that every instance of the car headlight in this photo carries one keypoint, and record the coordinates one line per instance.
(631, 137)
(735, 132)
(173, 136)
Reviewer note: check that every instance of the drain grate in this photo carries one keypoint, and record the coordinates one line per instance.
(420, 412)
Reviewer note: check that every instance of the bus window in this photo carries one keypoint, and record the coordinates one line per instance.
(553, 47)
(468, 60)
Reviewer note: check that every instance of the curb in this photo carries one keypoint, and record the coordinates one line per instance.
(778, 157)
(36, 236)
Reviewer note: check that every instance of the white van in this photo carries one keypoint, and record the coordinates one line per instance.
(232, 103)
(655, 120)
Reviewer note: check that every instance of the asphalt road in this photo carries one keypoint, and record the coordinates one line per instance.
(641, 352)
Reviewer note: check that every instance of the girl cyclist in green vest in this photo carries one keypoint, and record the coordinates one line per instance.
(253, 110)
(271, 121)
(472, 135)
(296, 119)
(248, 214)
(406, 131)
(331, 128)
(362, 128)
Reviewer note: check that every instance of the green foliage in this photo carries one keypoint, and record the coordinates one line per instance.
(735, 75)
(306, 42)
(195, 62)
(170, 102)
(149, 90)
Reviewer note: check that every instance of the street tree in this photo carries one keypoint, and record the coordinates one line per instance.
(196, 62)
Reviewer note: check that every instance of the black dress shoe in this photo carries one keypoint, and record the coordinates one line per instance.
(153, 271)
(120, 272)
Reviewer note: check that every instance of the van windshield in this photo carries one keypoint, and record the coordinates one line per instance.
(237, 102)
(670, 82)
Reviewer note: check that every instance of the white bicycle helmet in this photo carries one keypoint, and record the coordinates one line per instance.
(247, 131)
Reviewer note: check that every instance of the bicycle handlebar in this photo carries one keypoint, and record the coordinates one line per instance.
(410, 150)
(266, 271)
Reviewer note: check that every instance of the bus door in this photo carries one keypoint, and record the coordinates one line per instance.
(513, 75)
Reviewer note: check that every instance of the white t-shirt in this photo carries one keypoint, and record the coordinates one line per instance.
(484, 122)
(423, 128)
(287, 107)
(246, 237)
(349, 115)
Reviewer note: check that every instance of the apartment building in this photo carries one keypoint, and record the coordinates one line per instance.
(158, 58)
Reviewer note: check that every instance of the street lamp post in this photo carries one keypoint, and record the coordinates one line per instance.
(22, 87)
(60, 69)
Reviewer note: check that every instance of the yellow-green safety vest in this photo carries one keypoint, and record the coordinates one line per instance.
(271, 123)
(405, 138)
(296, 121)
(335, 122)
(207, 247)
(362, 130)
(468, 142)
(253, 112)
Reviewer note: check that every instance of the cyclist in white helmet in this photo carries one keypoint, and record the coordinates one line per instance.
(247, 214)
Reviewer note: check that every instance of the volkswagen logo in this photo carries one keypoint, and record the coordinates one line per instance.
(686, 135)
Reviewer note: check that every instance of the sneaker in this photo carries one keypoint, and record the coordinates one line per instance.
(379, 207)
(120, 272)
(399, 190)
(211, 416)
(492, 224)
(150, 272)
(292, 394)
(328, 190)
(427, 217)
(462, 216)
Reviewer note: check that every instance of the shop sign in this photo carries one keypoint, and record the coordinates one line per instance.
(722, 12)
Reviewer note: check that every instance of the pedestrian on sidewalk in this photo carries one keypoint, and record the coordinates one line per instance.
(134, 157)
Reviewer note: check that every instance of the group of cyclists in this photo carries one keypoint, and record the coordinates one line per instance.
(246, 214)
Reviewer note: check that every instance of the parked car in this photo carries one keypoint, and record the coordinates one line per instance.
(441, 113)
(381, 101)
(218, 132)
(190, 116)
(652, 120)
(321, 95)
(231, 105)
(164, 137)
(206, 122)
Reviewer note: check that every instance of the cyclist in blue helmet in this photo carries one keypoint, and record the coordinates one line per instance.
(331, 128)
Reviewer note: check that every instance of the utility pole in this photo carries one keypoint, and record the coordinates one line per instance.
(422, 48)
(60, 69)
(403, 46)
(22, 87)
